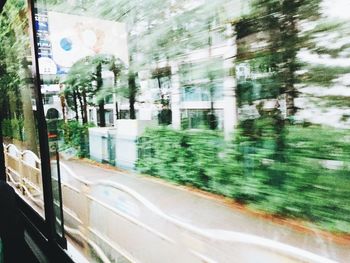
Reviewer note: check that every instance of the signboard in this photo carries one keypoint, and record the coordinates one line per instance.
(46, 64)
(75, 37)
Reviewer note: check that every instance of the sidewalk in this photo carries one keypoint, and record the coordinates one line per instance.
(210, 212)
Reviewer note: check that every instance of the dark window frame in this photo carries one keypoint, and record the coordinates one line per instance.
(42, 230)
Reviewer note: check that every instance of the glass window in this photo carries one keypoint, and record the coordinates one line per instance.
(18, 107)
(201, 119)
(23, 130)
(201, 131)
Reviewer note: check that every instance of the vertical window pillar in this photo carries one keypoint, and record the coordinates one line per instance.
(50, 215)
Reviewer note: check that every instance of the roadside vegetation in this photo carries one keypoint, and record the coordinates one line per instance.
(309, 180)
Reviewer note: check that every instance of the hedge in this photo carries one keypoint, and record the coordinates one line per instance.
(76, 135)
(294, 171)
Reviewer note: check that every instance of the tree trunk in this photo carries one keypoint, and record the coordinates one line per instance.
(75, 105)
(132, 108)
(7, 108)
(85, 119)
(213, 123)
(63, 105)
(29, 120)
(160, 91)
(17, 111)
(289, 40)
(132, 95)
(101, 109)
(117, 111)
(116, 72)
(101, 102)
(81, 106)
(291, 109)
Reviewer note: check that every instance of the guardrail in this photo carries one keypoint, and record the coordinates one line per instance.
(113, 222)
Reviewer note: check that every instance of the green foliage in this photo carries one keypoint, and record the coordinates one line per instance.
(298, 172)
(290, 31)
(278, 24)
(252, 90)
(12, 129)
(179, 156)
(15, 80)
(323, 75)
(76, 136)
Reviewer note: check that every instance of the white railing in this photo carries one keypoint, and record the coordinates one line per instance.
(23, 173)
(117, 222)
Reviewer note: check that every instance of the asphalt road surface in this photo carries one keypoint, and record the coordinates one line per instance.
(202, 222)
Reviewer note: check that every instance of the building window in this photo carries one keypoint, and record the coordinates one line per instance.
(200, 119)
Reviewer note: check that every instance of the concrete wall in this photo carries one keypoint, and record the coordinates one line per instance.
(121, 139)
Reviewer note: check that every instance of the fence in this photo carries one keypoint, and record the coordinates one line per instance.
(23, 173)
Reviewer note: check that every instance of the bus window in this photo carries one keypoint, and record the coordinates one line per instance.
(192, 131)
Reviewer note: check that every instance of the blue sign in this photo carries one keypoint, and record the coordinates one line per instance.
(66, 44)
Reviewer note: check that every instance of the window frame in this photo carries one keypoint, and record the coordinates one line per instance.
(42, 229)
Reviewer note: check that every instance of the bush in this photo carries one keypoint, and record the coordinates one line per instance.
(183, 157)
(12, 128)
(76, 135)
(287, 170)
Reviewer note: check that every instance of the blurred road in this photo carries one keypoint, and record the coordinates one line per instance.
(209, 213)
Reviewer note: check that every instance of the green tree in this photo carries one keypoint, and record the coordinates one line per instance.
(79, 87)
(15, 76)
(281, 24)
(84, 83)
